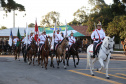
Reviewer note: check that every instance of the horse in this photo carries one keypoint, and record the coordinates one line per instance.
(103, 55)
(74, 51)
(17, 51)
(45, 53)
(1, 46)
(124, 45)
(85, 45)
(60, 51)
(32, 51)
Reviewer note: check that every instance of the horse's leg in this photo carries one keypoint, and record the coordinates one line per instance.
(93, 61)
(38, 60)
(89, 63)
(33, 60)
(67, 57)
(107, 62)
(52, 65)
(18, 55)
(58, 61)
(46, 62)
(102, 64)
(74, 61)
(42, 60)
(64, 54)
(78, 59)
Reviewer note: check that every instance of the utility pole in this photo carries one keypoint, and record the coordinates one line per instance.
(13, 18)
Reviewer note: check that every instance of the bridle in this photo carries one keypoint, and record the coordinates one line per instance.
(107, 48)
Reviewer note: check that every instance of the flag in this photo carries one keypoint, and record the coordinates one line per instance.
(10, 38)
(36, 32)
(24, 33)
(52, 43)
(65, 35)
(27, 35)
(19, 37)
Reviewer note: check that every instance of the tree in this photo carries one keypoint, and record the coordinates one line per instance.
(117, 27)
(11, 5)
(50, 19)
(80, 14)
(3, 27)
(105, 13)
(31, 25)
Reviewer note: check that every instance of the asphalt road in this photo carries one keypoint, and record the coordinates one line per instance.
(17, 72)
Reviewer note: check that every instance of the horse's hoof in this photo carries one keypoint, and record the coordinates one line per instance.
(58, 67)
(76, 63)
(65, 67)
(107, 77)
(92, 74)
(75, 66)
(97, 69)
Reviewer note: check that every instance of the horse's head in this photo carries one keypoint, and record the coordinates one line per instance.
(33, 41)
(109, 43)
(65, 41)
(79, 43)
(46, 43)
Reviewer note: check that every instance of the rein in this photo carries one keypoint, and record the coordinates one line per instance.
(107, 49)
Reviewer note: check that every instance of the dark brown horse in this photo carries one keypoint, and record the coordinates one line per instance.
(32, 51)
(45, 53)
(74, 52)
(17, 51)
(60, 52)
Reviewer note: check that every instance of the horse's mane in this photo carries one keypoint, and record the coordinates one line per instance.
(63, 39)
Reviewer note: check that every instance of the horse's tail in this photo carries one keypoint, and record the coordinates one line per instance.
(88, 58)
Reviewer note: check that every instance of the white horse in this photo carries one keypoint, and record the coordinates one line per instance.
(103, 55)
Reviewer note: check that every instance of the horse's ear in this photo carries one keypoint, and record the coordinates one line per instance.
(113, 37)
(66, 38)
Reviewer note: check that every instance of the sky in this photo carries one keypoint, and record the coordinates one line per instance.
(38, 8)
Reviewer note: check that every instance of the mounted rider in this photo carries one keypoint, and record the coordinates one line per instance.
(97, 36)
(57, 38)
(42, 38)
(15, 40)
(72, 39)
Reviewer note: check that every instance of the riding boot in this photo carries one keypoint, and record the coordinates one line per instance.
(94, 52)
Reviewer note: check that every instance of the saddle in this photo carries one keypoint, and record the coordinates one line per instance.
(56, 46)
(98, 46)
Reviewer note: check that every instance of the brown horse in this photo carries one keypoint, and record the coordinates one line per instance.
(45, 53)
(85, 45)
(60, 51)
(17, 51)
(32, 51)
(124, 46)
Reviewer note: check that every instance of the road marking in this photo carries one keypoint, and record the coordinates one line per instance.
(121, 74)
(96, 77)
(110, 75)
(110, 69)
(117, 70)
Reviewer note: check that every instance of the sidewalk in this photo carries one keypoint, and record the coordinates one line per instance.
(116, 55)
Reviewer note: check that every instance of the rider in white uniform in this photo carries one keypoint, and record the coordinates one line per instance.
(42, 38)
(97, 36)
(71, 39)
(57, 38)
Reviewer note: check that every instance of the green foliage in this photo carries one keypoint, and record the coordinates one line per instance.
(3, 27)
(117, 27)
(50, 19)
(105, 13)
(31, 25)
(11, 5)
